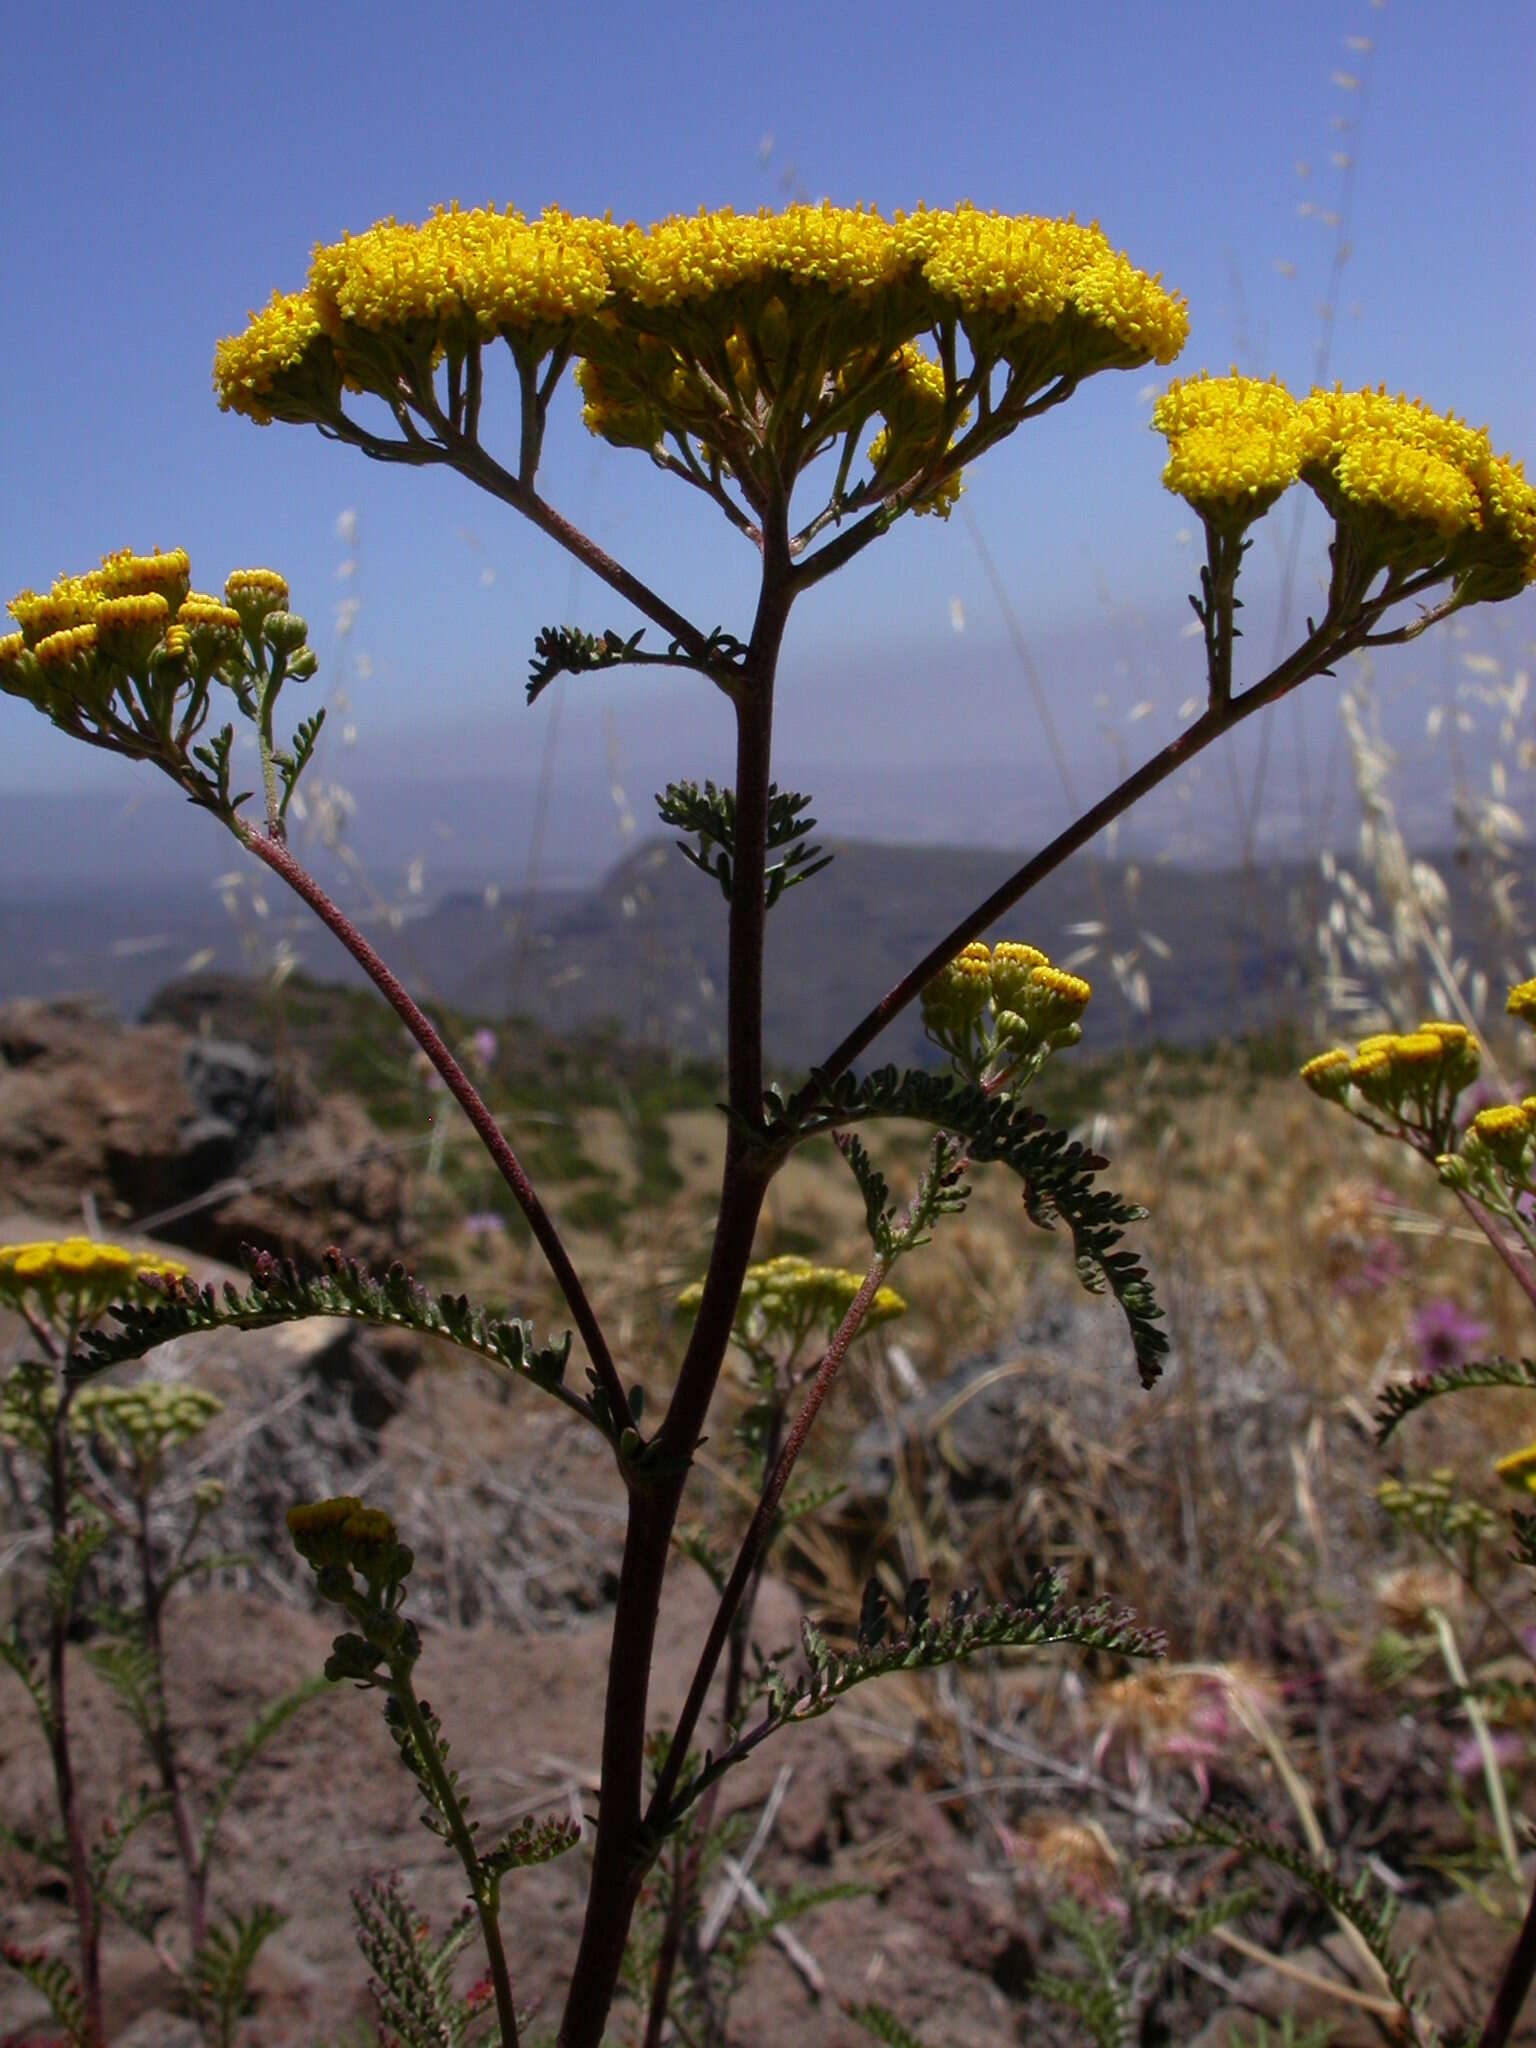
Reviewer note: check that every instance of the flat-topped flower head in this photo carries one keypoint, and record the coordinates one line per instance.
(1521, 1002)
(1501, 1133)
(1420, 489)
(79, 1276)
(253, 593)
(1052, 1003)
(1328, 1073)
(129, 628)
(1013, 962)
(72, 601)
(961, 990)
(167, 575)
(256, 371)
(735, 333)
(1232, 445)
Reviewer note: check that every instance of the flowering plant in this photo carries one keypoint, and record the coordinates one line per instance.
(815, 375)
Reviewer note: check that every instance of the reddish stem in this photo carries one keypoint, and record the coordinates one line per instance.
(278, 857)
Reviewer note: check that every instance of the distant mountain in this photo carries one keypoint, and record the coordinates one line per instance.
(1215, 952)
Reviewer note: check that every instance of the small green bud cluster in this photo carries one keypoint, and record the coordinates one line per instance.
(361, 1565)
(1005, 1003)
(1432, 1508)
(142, 1423)
(784, 1299)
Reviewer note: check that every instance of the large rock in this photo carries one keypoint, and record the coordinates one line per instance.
(203, 1140)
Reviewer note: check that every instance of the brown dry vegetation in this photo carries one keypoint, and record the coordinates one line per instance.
(1234, 1506)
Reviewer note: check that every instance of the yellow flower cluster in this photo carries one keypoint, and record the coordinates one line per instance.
(136, 617)
(1414, 1076)
(1423, 486)
(914, 432)
(1232, 444)
(78, 1277)
(1034, 1004)
(251, 369)
(1432, 482)
(1501, 1135)
(1522, 1002)
(959, 993)
(784, 1298)
(681, 322)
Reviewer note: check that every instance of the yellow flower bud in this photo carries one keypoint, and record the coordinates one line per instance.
(1519, 1468)
(1012, 964)
(128, 629)
(1328, 1074)
(1503, 1133)
(1522, 997)
(253, 593)
(960, 991)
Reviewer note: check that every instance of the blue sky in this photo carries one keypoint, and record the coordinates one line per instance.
(162, 168)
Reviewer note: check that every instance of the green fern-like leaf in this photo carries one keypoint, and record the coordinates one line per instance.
(1057, 1173)
(568, 651)
(73, 1551)
(412, 1982)
(1404, 1396)
(281, 1294)
(53, 1979)
(291, 763)
(709, 815)
(884, 2025)
(1371, 1911)
(14, 1654)
(923, 1643)
(529, 1842)
(128, 1667)
(220, 1972)
(436, 1817)
(270, 1722)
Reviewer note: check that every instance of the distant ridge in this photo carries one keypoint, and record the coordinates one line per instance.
(1222, 952)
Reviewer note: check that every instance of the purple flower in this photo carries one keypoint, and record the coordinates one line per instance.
(1445, 1336)
(484, 1046)
(1467, 1757)
(484, 1223)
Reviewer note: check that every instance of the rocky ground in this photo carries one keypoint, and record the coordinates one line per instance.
(516, 1522)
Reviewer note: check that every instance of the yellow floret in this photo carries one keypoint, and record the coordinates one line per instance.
(71, 602)
(1328, 1073)
(1522, 1001)
(496, 272)
(80, 1273)
(1012, 964)
(59, 650)
(126, 574)
(1503, 1132)
(960, 991)
(1409, 482)
(1232, 442)
(248, 367)
(128, 628)
(252, 593)
(199, 610)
